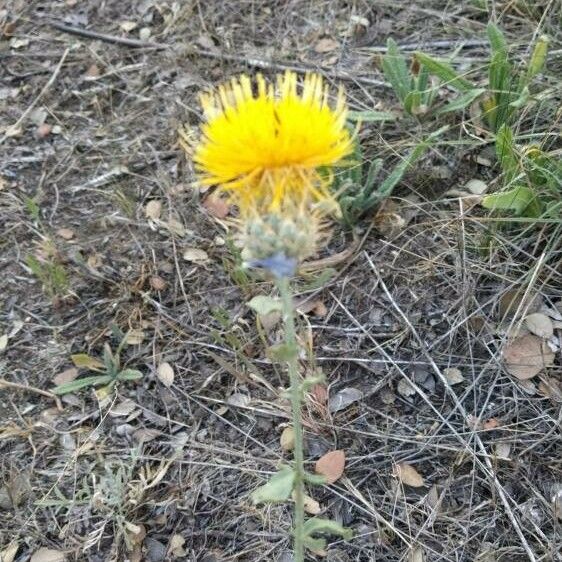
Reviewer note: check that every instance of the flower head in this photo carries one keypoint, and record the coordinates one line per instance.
(267, 144)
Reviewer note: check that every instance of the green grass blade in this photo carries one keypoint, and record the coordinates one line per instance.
(370, 116)
(395, 70)
(462, 101)
(506, 154)
(444, 72)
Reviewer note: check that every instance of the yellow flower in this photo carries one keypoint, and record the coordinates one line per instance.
(266, 144)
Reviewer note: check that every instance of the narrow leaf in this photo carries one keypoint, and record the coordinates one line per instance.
(278, 488)
(462, 101)
(538, 58)
(395, 70)
(370, 116)
(506, 154)
(444, 71)
(81, 383)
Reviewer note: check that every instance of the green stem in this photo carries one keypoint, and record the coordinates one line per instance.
(296, 407)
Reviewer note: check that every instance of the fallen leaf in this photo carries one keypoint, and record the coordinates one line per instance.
(540, 325)
(127, 26)
(47, 555)
(157, 283)
(514, 299)
(18, 43)
(314, 306)
(408, 475)
(65, 376)
(165, 374)
(175, 547)
(405, 388)
(9, 553)
(416, 554)
(83, 360)
(238, 399)
(144, 33)
(502, 450)
(145, 435)
(124, 408)
(453, 375)
(93, 72)
(526, 356)
(287, 439)
(153, 209)
(311, 506)
(320, 394)
(195, 255)
(175, 227)
(217, 207)
(331, 465)
(551, 388)
(477, 187)
(134, 337)
(66, 233)
(326, 45)
(3, 342)
(43, 131)
(491, 423)
(343, 399)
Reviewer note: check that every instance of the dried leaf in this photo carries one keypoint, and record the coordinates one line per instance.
(66, 233)
(551, 388)
(408, 475)
(175, 227)
(123, 408)
(175, 548)
(157, 283)
(153, 209)
(65, 376)
(331, 465)
(216, 206)
(343, 399)
(3, 342)
(540, 325)
(453, 375)
(165, 374)
(287, 439)
(502, 450)
(477, 187)
(311, 506)
(526, 356)
(9, 553)
(145, 33)
(416, 555)
(238, 399)
(93, 72)
(491, 423)
(134, 337)
(326, 45)
(405, 388)
(195, 255)
(514, 299)
(127, 26)
(47, 555)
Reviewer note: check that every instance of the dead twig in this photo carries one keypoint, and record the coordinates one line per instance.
(16, 386)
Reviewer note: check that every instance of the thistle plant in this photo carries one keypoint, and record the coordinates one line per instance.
(270, 148)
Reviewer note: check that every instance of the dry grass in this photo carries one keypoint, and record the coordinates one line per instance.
(152, 462)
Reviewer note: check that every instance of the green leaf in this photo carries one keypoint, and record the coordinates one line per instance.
(84, 361)
(326, 526)
(278, 489)
(371, 116)
(395, 70)
(506, 153)
(81, 383)
(522, 99)
(497, 40)
(281, 352)
(444, 71)
(129, 375)
(315, 479)
(462, 101)
(264, 305)
(516, 200)
(412, 102)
